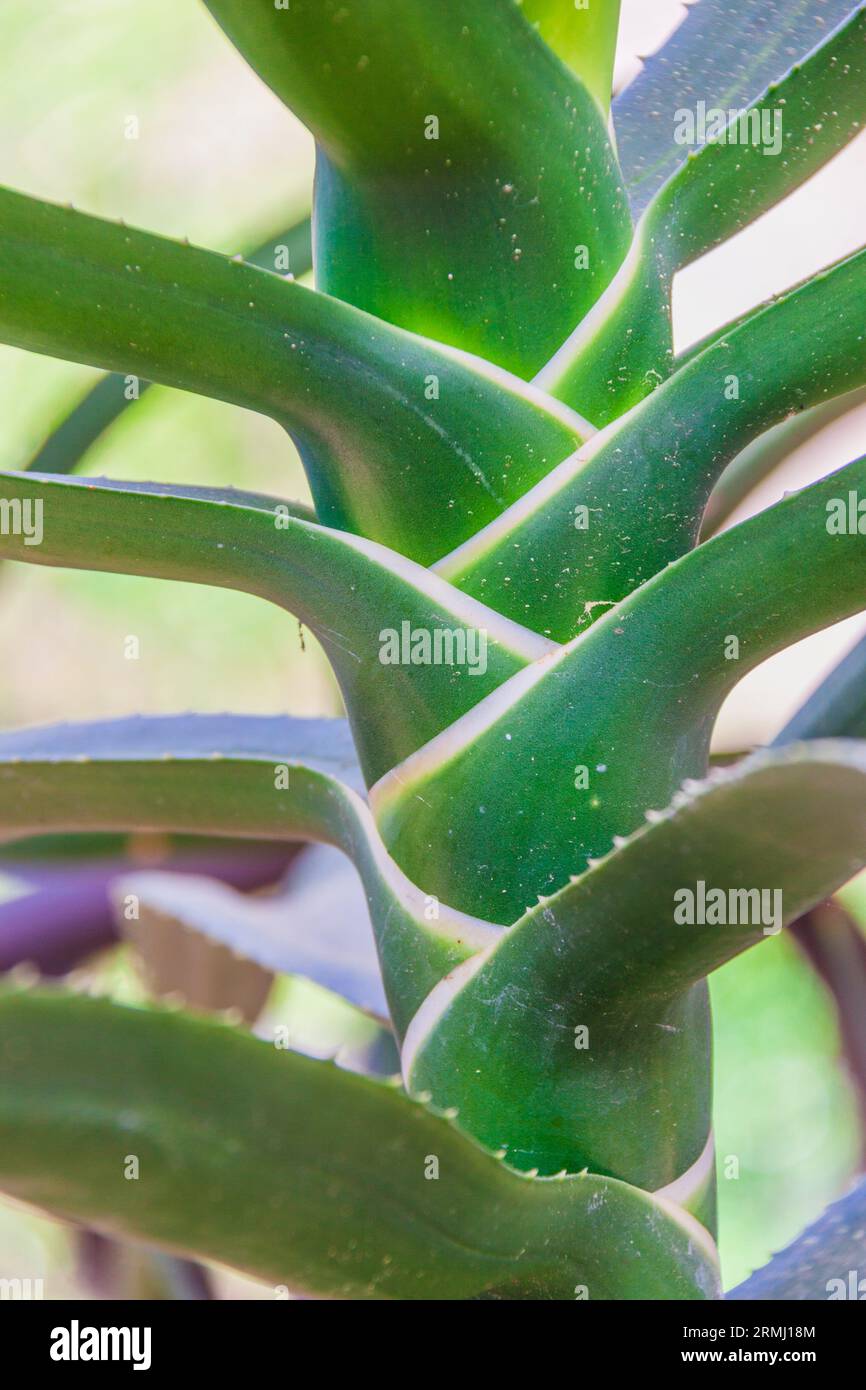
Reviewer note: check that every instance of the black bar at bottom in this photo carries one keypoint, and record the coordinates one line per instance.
(223, 1338)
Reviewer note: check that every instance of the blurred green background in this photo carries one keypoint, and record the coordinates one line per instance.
(217, 159)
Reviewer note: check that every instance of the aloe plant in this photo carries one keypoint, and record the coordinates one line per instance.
(533, 627)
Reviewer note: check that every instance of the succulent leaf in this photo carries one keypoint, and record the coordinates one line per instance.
(110, 398)
(632, 500)
(532, 635)
(724, 53)
(651, 673)
(387, 423)
(584, 38)
(614, 953)
(461, 166)
(350, 592)
(268, 778)
(336, 1161)
(624, 347)
(760, 458)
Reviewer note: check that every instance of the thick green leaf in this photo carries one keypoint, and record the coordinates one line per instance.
(610, 953)
(817, 108)
(349, 591)
(390, 426)
(88, 421)
(583, 37)
(650, 675)
(461, 166)
(724, 53)
(624, 347)
(227, 775)
(302, 1174)
(638, 491)
(825, 1262)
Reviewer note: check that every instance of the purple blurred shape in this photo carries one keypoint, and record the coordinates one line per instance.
(67, 914)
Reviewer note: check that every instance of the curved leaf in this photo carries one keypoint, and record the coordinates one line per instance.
(638, 491)
(651, 674)
(624, 347)
(105, 402)
(461, 165)
(724, 53)
(388, 424)
(817, 108)
(350, 592)
(269, 778)
(273, 1171)
(614, 952)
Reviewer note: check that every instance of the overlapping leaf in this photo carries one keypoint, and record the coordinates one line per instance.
(390, 426)
(624, 346)
(260, 777)
(461, 169)
(583, 37)
(349, 591)
(632, 500)
(302, 1174)
(649, 675)
(621, 953)
(63, 450)
(724, 53)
